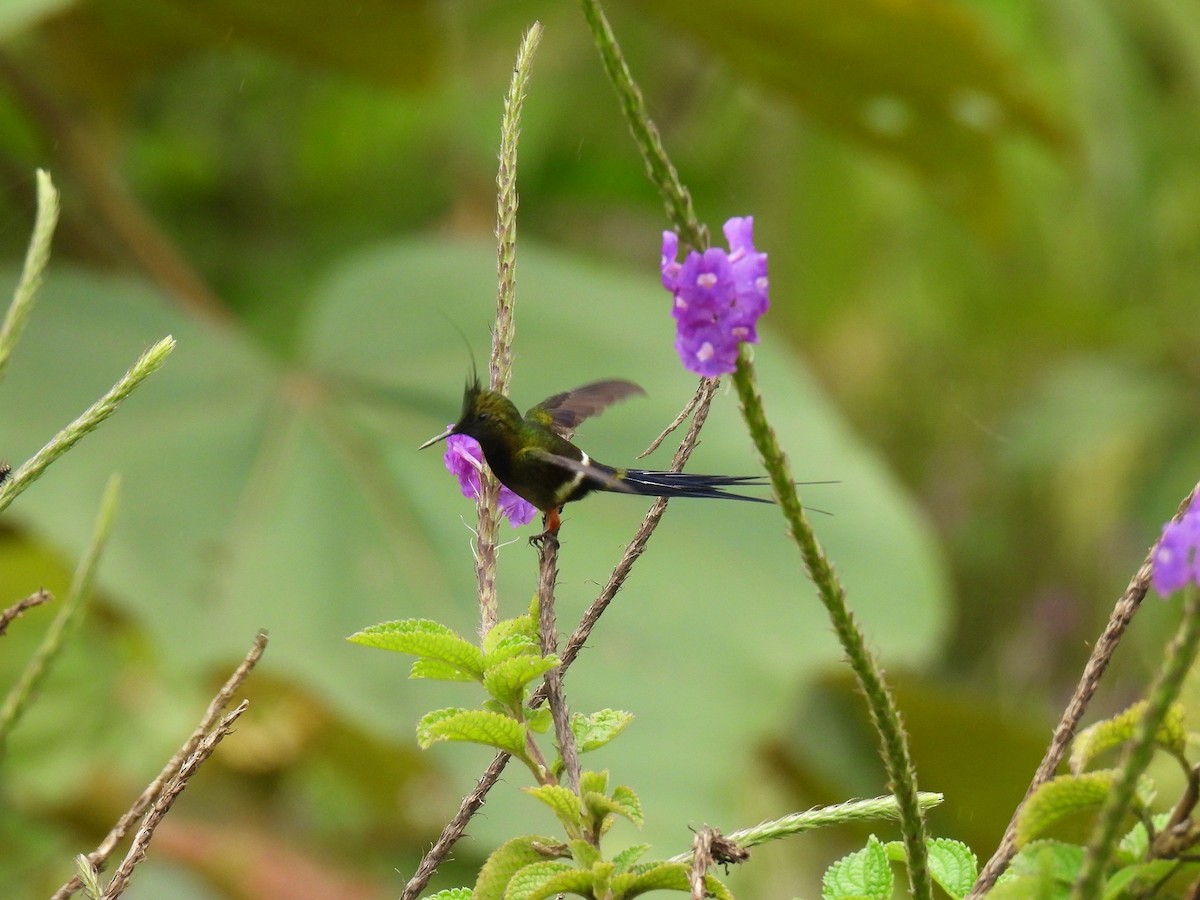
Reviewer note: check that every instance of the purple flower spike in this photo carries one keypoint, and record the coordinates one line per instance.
(718, 297)
(1176, 560)
(464, 459)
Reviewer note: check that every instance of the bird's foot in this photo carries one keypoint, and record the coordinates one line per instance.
(552, 522)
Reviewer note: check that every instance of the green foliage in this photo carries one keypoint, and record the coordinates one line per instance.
(865, 874)
(1041, 870)
(563, 802)
(952, 864)
(479, 726)
(428, 640)
(452, 894)
(1063, 796)
(664, 876)
(1109, 733)
(594, 731)
(508, 859)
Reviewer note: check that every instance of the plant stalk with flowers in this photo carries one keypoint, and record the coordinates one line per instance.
(717, 299)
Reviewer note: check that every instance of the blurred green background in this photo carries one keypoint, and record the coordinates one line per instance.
(983, 222)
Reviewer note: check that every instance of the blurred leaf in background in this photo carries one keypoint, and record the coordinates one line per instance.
(982, 223)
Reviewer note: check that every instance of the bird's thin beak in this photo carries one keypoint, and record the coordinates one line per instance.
(441, 437)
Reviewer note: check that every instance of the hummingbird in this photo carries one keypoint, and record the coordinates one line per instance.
(532, 455)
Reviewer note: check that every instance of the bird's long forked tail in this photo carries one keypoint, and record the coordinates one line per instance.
(686, 484)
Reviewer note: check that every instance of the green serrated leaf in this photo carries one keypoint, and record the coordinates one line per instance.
(1109, 733)
(424, 638)
(479, 726)
(452, 894)
(436, 670)
(507, 680)
(953, 866)
(563, 802)
(628, 804)
(1060, 797)
(1053, 865)
(544, 879)
(593, 782)
(539, 720)
(866, 873)
(664, 876)
(511, 647)
(1136, 843)
(522, 629)
(629, 856)
(1137, 880)
(505, 861)
(594, 731)
(584, 854)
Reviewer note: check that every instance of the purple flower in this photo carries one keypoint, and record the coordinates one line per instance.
(464, 459)
(1177, 557)
(718, 297)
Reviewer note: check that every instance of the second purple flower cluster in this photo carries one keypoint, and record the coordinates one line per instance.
(718, 298)
(1177, 558)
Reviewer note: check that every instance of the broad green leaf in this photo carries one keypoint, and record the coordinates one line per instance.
(865, 873)
(539, 720)
(628, 804)
(1060, 797)
(479, 726)
(1141, 879)
(452, 894)
(544, 879)
(1053, 861)
(951, 863)
(594, 731)
(944, 112)
(1136, 842)
(522, 630)
(507, 680)
(664, 876)
(437, 670)
(1110, 733)
(426, 638)
(563, 802)
(509, 647)
(506, 860)
(297, 506)
(953, 866)
(629, 856)
(593, 782)
(584, 854)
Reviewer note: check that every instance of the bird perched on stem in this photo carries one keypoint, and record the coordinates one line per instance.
(532, 455)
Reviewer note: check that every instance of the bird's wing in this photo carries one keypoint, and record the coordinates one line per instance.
(563, 412)
(610, 481)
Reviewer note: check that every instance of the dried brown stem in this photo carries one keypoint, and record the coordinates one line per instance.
(548, 629)
(701, 860)
(35, 599)
(678, 420)
(1097, 664)
(98, 857)
(473, 801)
(162, 804)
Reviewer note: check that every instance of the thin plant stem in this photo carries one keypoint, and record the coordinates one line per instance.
(29, 471)
(162, 804)
(885, 717)
(1181, 653)
(216, 707)
(36, 258)
(659, 168)
(1118, 621)
(548, 630)
(504, 331)
(17, 609)
(68, 617)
